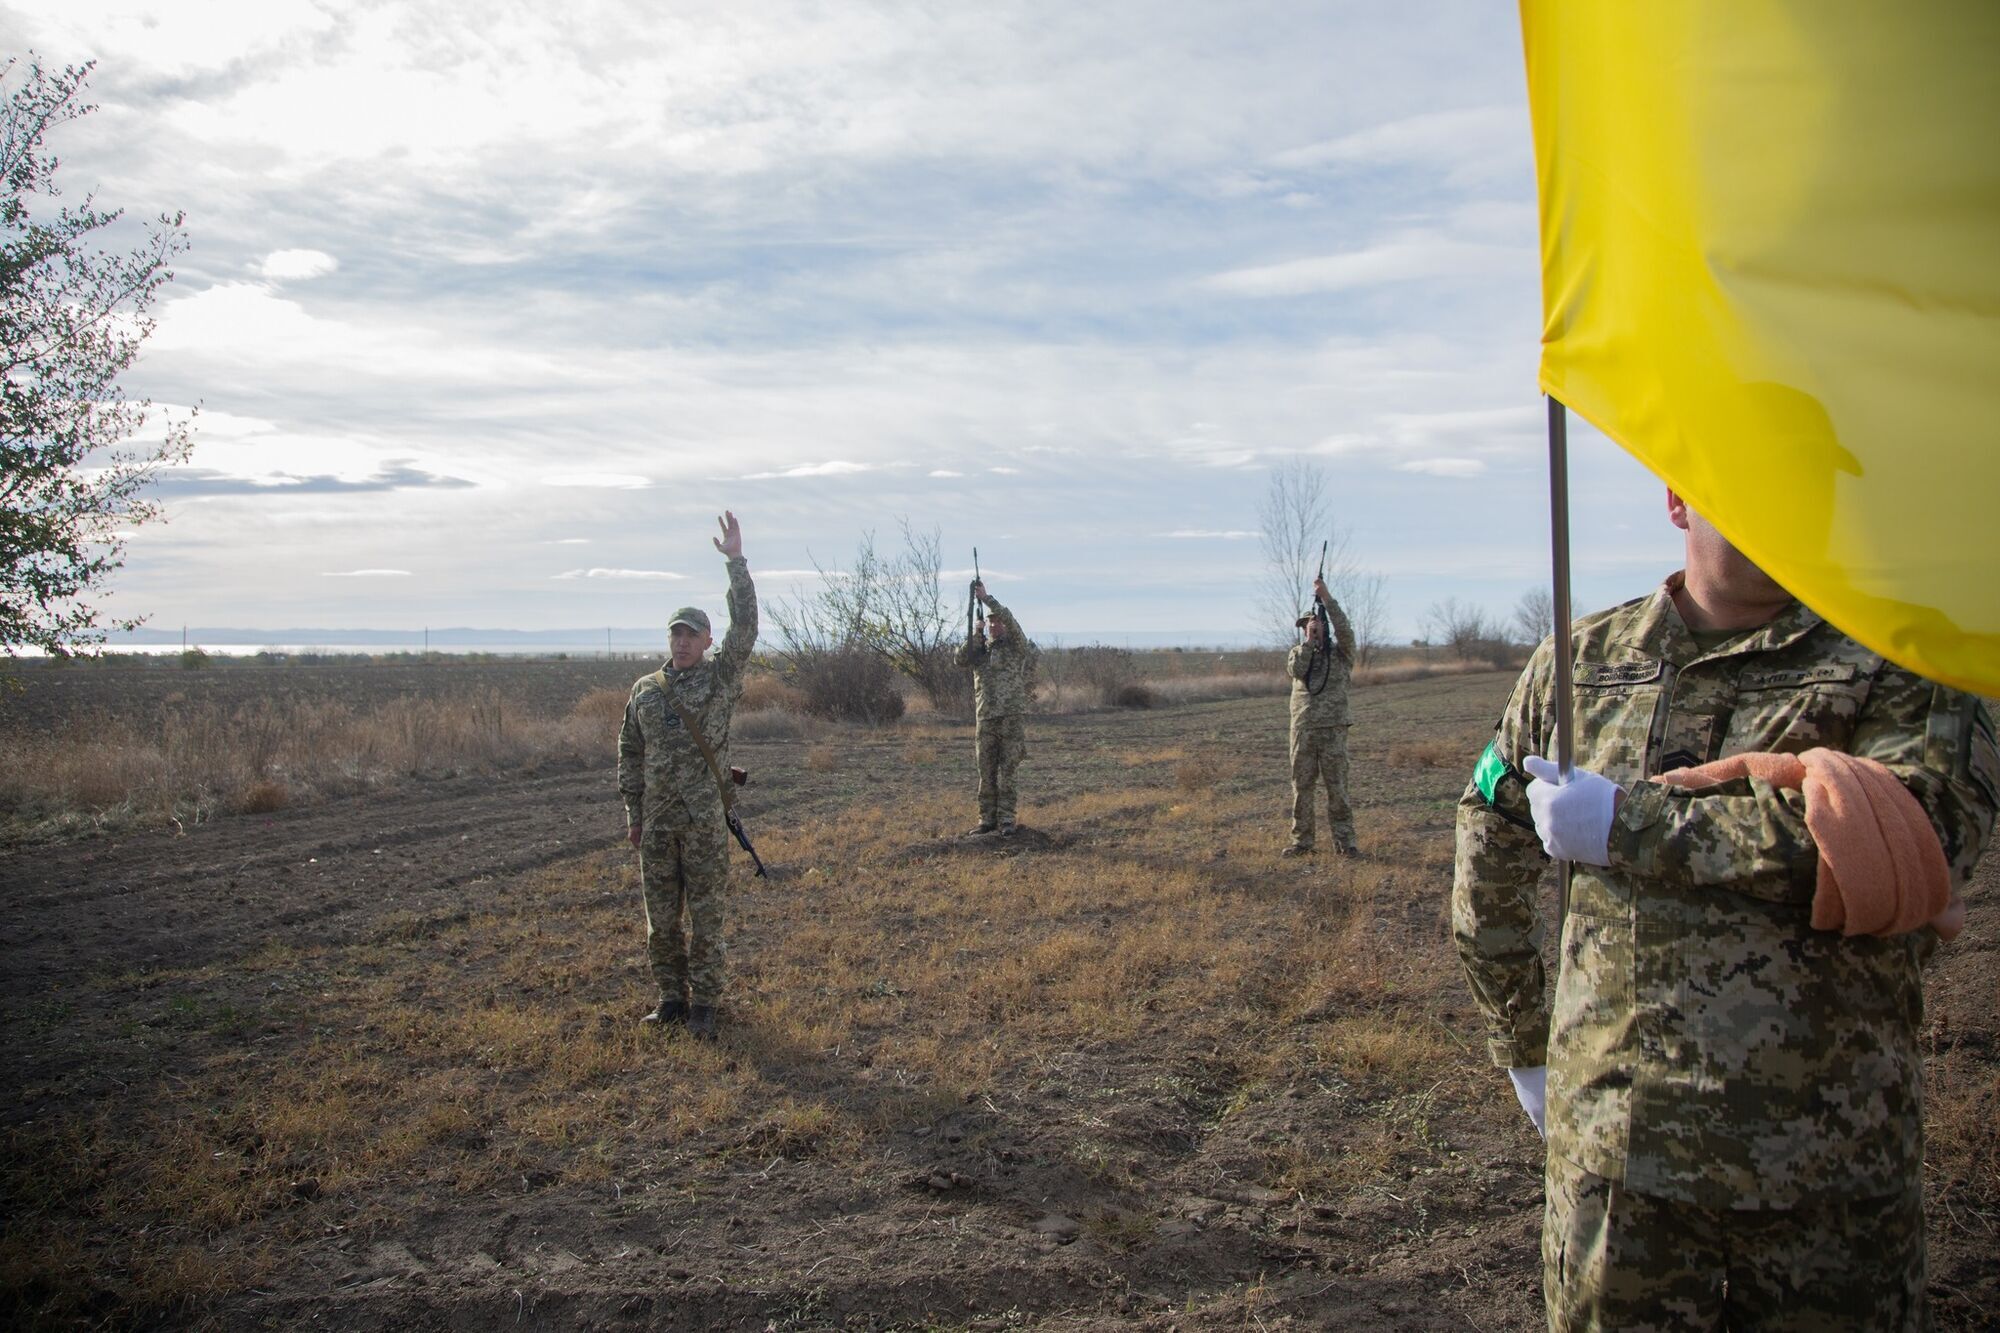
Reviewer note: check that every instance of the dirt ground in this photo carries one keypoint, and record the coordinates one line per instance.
(373, 1064)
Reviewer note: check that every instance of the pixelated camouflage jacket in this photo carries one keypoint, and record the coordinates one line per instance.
(1000, 683)
(661, 773)
(1328, 673)
(1704, 1042)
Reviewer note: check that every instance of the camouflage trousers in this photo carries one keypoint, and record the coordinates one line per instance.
(1002, 743)
(685, 872)
(1319, 758)
(1612, 1259)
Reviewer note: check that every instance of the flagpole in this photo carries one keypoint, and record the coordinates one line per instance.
(1565, 667)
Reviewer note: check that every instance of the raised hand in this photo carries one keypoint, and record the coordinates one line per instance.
(730, 543)
(979, 590)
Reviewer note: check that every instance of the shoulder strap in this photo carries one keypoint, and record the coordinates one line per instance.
(659, 678)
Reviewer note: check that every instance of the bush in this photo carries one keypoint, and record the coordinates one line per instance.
(764, 692)
(1107, 672)
(848, 684)
(1133, 695)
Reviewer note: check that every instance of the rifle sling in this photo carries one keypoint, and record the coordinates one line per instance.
(700, 741)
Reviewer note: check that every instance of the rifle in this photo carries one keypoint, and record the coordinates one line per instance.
(972, 615)
(1325, 648)
(735, 822)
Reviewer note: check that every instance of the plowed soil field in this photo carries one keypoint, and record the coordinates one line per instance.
(374, 1064)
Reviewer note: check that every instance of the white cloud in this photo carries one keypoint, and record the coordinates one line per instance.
(606, 481)
(365, 573)
(1005, 471)
(1226, 534)
(1445, 467)
(294, 265)
(837, 467)
(944, 472)
(568, 541)
(1433, 137)
(653, 574)
(1407, 258)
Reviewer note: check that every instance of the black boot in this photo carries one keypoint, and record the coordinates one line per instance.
(670, 1013)
(701, 1022)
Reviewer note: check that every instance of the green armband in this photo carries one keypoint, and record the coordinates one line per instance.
(1491, 768)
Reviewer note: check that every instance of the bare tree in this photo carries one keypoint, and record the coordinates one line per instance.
(1361, 595)
(1295, 517)
(1466, 630)
(896, 610)
(1535, 615)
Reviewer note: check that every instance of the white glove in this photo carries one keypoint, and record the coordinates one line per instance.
(1574, 817)
(1531, 1089)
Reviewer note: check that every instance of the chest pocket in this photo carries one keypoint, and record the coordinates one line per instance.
(1616, 703)
(1796, 709)
(656, 719)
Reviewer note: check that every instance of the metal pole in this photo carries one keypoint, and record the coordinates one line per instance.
(1565, 667)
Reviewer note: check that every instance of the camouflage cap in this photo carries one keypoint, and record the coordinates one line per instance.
(692, 616)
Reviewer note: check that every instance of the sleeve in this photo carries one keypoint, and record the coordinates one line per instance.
(971, 654)
(1751, 838)
(741, 636)
(1299, 661)
(1496, 874)
(1343, 630)
(632, 764)
(1005, 617)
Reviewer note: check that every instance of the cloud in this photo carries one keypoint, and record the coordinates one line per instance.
(567, 541)
(654, 574)
(1005, 471)
(395, 474)
(607, 481)
(1436, 137)
(1445, 467)
(944, 472)
(834, 468)
(365, 574)
(1229, 534)
(1411, 257)
(294, 265)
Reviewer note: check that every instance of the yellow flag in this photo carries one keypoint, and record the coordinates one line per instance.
(1771, 271)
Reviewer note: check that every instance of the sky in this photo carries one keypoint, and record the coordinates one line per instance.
(490, 309)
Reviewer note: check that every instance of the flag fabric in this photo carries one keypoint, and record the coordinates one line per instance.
(1771, 271)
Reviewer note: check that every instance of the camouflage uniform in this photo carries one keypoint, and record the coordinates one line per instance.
(1319, 732)
(1000, 701)
(669, 790)
(1710, 1055)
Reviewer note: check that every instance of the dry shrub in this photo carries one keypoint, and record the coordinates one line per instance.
(772, 724)
(602, 709)
(261, 798)
(822, 758)
(765, 692)
(1200, 688)
(1398, 672)
(847, 684)
(1132, 695)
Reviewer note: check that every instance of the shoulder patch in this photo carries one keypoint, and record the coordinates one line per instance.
(1827, 673)
(1617, 673)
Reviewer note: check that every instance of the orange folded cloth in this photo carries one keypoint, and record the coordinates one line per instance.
(1881, 867)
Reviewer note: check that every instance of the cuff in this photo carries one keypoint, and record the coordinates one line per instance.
(1628, 847)
(1523, 1052)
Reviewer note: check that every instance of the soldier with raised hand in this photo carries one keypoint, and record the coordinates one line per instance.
(999, 656)
(672, 752)
(1731, 1093)
(1321, 673)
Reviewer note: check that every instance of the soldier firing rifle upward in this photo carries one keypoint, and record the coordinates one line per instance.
(1321, 669)
(1000, 658)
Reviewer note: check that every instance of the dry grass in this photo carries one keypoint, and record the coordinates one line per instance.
(1428, 752)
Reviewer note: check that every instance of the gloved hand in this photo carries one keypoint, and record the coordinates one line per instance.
(1574, 817)
(1531, 1089)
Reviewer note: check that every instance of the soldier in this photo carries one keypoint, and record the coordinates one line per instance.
(1000, 699)
(1320, 674)
(672, 751)
(1732, 1099)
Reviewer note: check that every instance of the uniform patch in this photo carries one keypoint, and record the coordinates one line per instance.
(1829, 673)
(1617, 673)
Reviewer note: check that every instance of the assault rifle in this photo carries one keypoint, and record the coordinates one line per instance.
(735, 822)
(972, 612)
(1322, 652)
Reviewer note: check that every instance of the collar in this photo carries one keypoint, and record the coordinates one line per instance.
(1666, 635)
